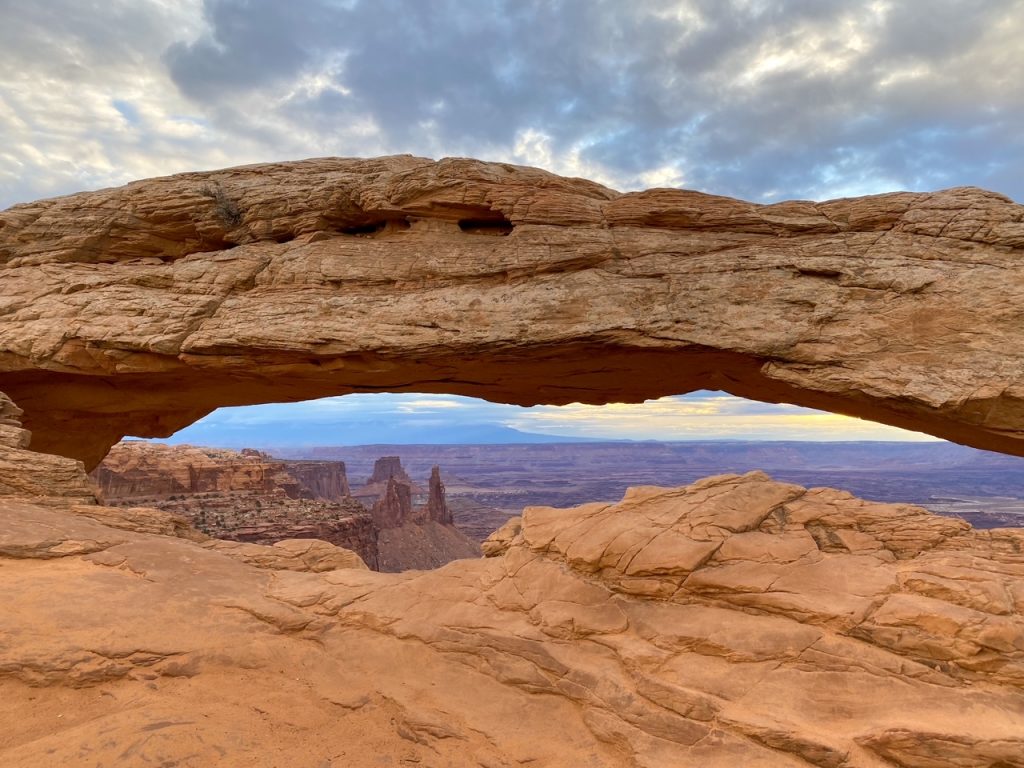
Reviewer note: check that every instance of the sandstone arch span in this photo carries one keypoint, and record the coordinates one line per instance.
(139, 309)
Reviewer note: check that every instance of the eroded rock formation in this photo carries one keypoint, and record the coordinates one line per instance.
(138, 470)
(243, 496)
(437, 504)
(249, 496)
(394, 507)
(386, 469)
(737, 621)
(413, 535)
(141, 470)
(137, 310)
(29, 480)
(324, 480)
(27, 473)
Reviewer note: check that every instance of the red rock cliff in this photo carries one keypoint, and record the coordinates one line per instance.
(394, 508)
(437, 504)
(241, 496)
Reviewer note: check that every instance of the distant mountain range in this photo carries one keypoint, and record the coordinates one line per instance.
(307, 434)
(507, 477)
(720, 455)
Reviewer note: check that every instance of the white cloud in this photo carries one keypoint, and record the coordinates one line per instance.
(696, 416)
(428, 405)
(702, 416)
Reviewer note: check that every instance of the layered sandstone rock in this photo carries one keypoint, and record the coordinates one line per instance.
(137, 310)
(136, 470)
(30, 480)
(325, 480)
(305, 554)
(498, 542)
(269, 518)
(241, 496)
(33, 475)
(437, 504)
(394, 507)
(736, 621)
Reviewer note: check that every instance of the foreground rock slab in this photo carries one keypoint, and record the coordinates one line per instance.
(736, 621)
(139, 309)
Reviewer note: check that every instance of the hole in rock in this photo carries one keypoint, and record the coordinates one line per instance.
(374, 227)
(370, 228)
(486, 226)
(359, 470)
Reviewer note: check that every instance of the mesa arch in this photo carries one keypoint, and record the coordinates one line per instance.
(139, 309)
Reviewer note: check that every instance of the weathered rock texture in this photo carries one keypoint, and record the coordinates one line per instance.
(734, 622)
(137, 310)
(29, 480)
(394, 507)
(325, 480)
(306, 554)
(269, 518)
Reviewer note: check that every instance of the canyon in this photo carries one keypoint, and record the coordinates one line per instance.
(489, 483)
(735, 620)
(248, 496)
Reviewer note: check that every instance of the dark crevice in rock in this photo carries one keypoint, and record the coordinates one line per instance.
(364, 229)
(375, 226)
(486, 226)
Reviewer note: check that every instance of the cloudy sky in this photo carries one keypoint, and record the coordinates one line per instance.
(760, 99)
(415, 419)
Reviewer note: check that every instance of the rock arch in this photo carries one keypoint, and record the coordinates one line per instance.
(139, 309)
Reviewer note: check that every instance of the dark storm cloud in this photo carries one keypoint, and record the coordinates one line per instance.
(252, 44)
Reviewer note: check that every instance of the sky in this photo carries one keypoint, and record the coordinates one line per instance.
(395, 419)
(759, 99)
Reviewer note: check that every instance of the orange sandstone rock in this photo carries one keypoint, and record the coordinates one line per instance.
(139, 309)
(736, 621)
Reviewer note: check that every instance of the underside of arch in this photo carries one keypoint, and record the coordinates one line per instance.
(140, 309)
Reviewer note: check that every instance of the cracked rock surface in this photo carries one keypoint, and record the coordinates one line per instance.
(735, 621)
(139, 309)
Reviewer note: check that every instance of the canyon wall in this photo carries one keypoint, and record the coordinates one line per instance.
(136, 469)
(325, 480)
(249, 496)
